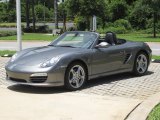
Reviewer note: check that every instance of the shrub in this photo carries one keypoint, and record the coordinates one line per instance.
(7, 52)
(80, 23)
(7, 33)
(123, 23)
(71, 29)
(39, 29)
(150, 25)
(149, 31)
(9, 25)
(42, 29)
(118, 9)
(118, 30)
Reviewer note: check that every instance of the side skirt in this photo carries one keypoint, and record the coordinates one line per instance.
(108, 73)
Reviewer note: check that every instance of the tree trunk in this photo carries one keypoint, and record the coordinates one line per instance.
(64, 22)
(88, 23)
(34, 18)
(64, 19)
(27, 15)
(56, 14)
(154, 24)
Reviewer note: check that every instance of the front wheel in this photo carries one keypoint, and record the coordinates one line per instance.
(141, 64)
(76, 76)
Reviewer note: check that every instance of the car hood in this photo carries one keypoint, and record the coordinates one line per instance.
(39, 55)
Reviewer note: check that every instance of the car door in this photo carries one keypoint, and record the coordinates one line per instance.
(108, 59)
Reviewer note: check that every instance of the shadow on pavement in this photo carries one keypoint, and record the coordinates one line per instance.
(37, 90)
(112, 78)
(55, 90)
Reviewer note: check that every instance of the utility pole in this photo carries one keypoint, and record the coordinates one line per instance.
(56, 14)
(94, 27)
(19, 31)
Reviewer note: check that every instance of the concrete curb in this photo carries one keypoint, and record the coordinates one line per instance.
(143, 110)
(156, 61)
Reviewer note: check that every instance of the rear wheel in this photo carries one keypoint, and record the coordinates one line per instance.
(141, 64)
(76, 76)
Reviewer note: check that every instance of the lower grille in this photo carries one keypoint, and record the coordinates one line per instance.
(18, 80)
(38, 79)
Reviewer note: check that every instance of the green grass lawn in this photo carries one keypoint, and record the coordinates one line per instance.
(156, 57)
(31, 36)
(155, 114)
(45, 37)
(4, 52)
(10, 24)
(139, 37)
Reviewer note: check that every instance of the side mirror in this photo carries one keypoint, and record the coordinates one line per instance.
(102, 45)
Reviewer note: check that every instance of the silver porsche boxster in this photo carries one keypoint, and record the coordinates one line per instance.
(76, 57)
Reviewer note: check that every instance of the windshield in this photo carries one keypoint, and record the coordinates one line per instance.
(75, 39)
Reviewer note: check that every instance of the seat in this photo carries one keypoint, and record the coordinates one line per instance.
(111, 38)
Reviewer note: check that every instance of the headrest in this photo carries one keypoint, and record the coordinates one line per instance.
(111, 38)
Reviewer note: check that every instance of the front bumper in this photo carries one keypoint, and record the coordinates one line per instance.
(44, 79)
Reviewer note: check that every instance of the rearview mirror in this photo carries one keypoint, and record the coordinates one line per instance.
(102, 45)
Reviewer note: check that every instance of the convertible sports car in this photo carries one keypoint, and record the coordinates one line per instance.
(76, 57)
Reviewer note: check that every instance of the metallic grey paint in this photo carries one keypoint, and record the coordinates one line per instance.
(99, 61)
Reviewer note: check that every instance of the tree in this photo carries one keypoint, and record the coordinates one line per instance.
(56, 14)
(3, 12)
(27, 14)
(39, 12)
(62, 12)
(118, 9)
(33, 15)
(130, 2)
(86, 8)
(154, 5)
(139, 15)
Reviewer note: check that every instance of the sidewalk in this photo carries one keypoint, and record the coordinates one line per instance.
(12, 45)
(63, 106)
(155, 46)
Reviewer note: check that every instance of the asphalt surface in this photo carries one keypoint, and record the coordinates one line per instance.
(51, 25)
(12, 45)
(155, 47)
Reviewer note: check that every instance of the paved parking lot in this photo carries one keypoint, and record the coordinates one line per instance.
(122, 85)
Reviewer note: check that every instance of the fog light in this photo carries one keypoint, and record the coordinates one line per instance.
(38, 74)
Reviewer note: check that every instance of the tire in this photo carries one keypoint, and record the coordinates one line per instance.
(75, 76)
(141, 64)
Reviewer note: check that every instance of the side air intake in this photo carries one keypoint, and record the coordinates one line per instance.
(127, 58)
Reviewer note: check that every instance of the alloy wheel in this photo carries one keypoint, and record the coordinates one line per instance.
(76, 76)
(141, 63)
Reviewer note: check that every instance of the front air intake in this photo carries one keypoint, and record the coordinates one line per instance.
(38, 79)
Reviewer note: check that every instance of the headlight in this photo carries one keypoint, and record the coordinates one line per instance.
(14, 57)
(50, 62)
